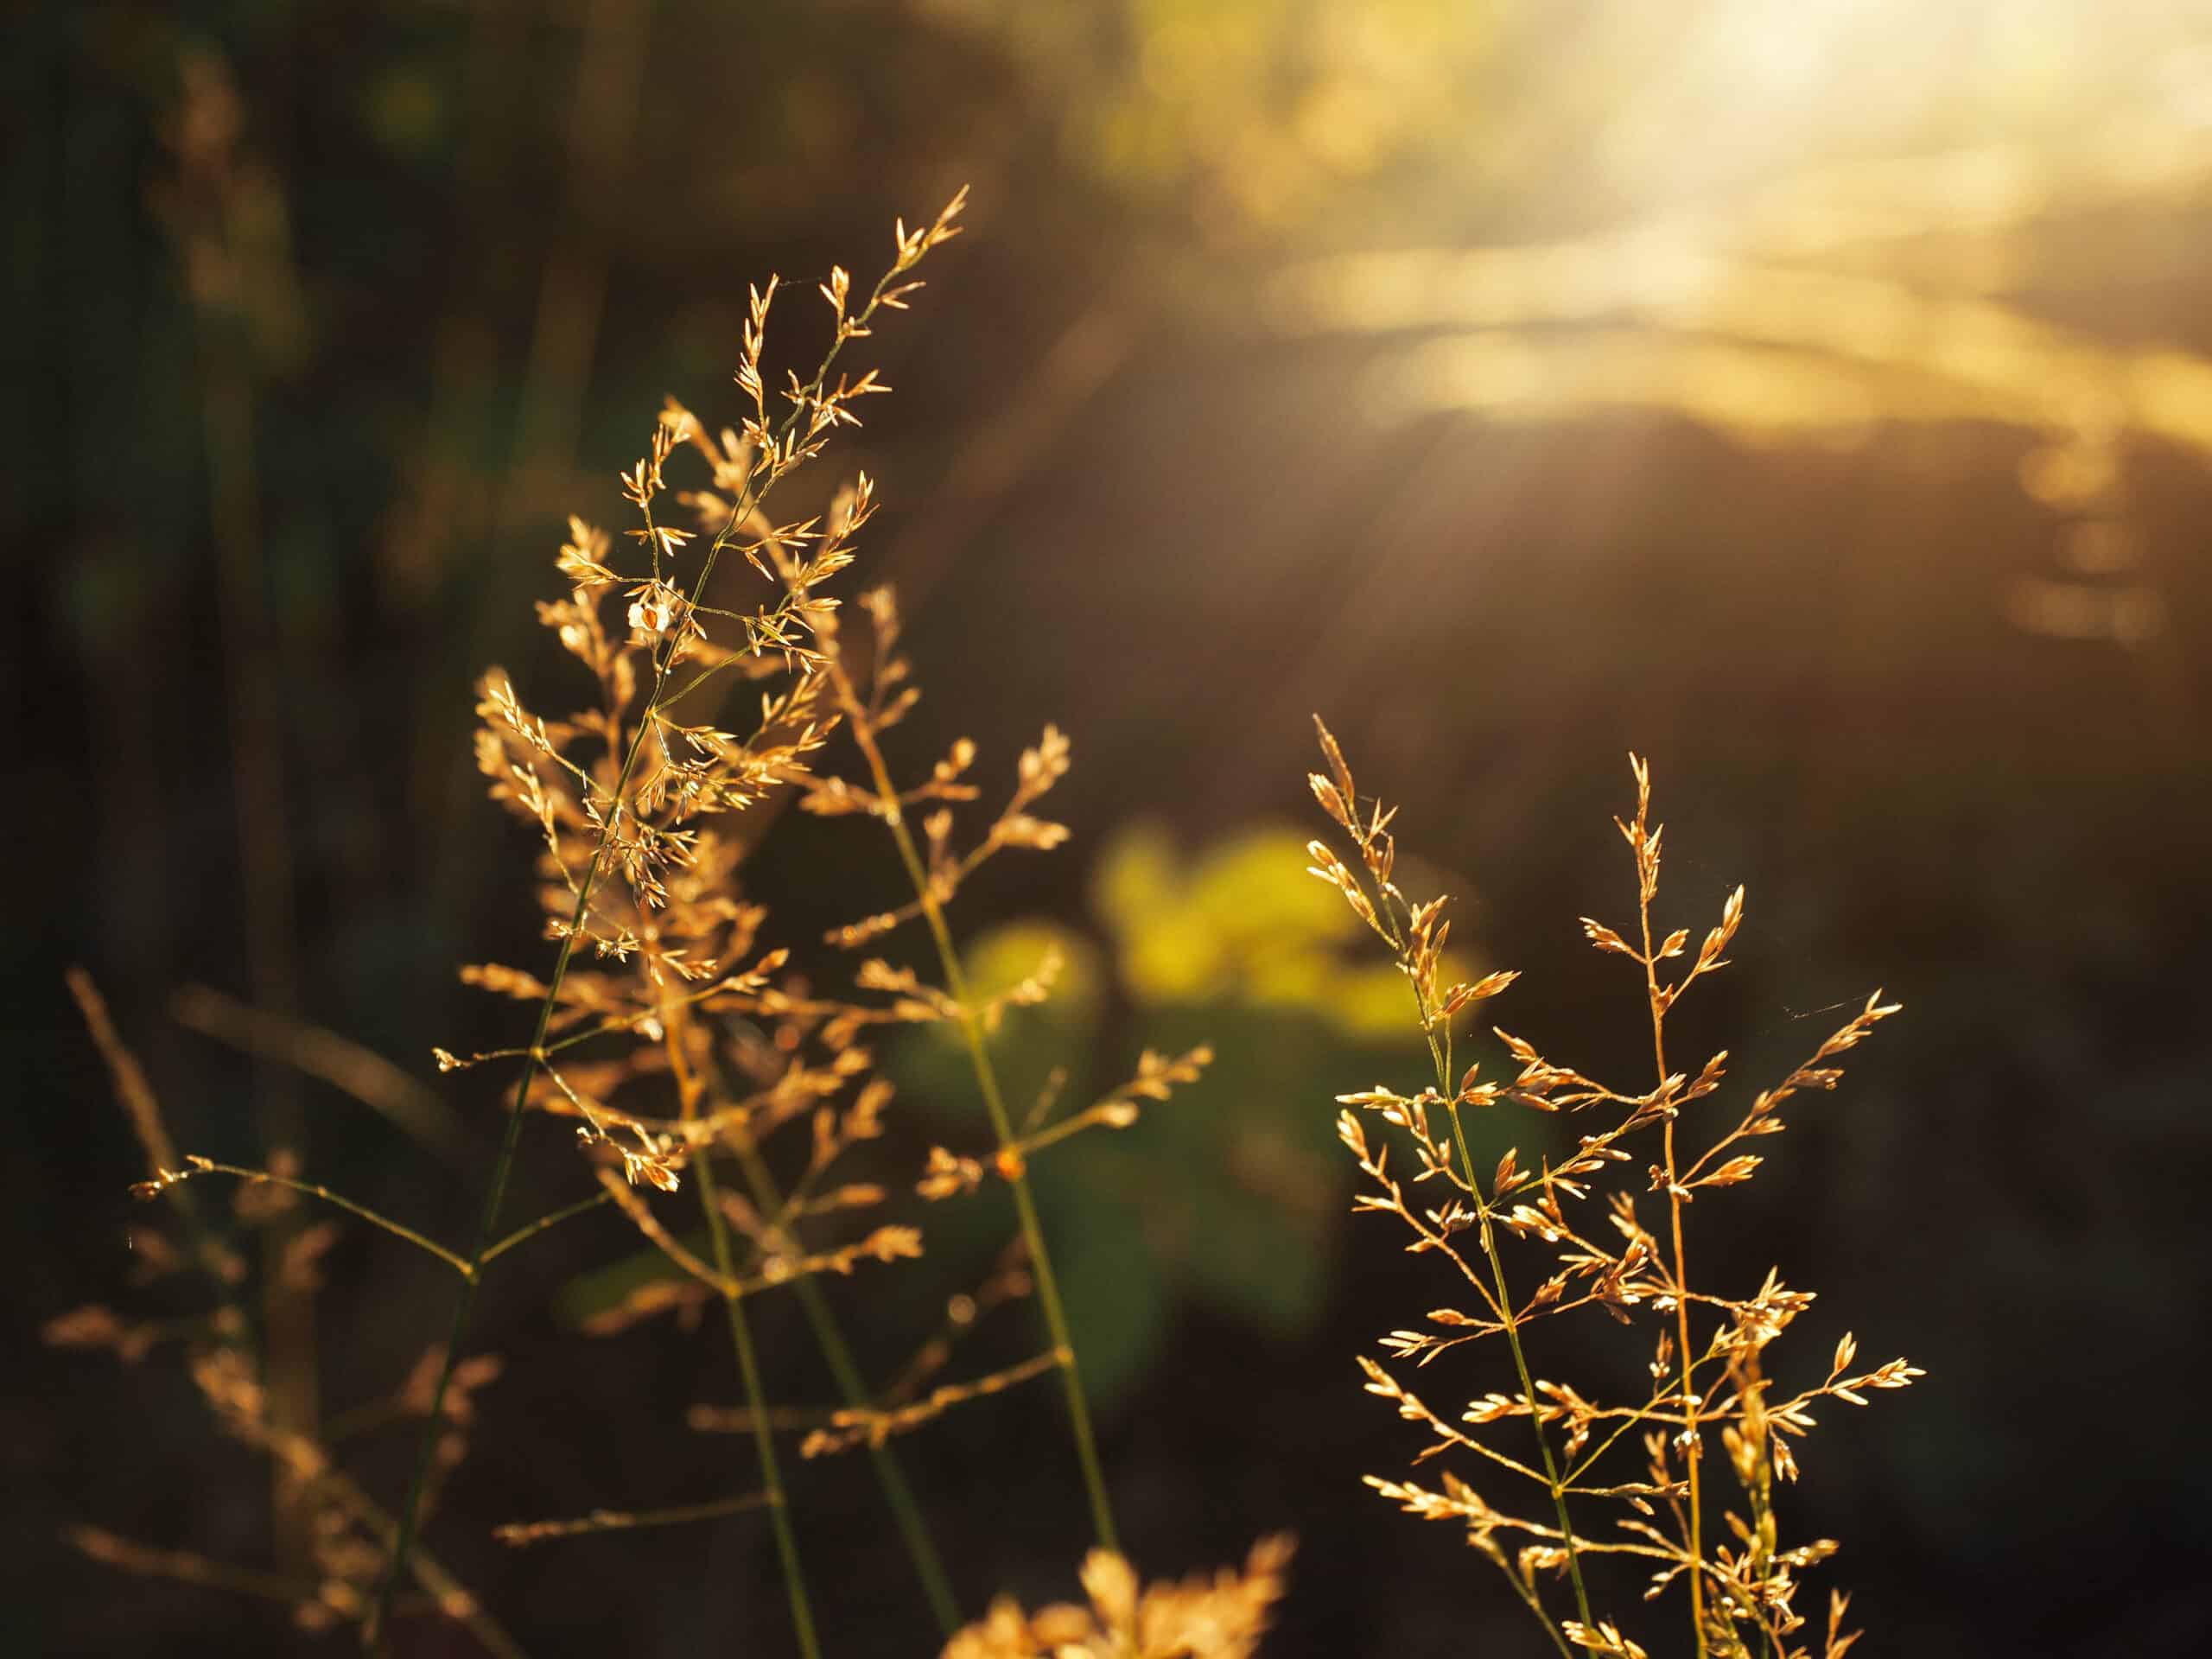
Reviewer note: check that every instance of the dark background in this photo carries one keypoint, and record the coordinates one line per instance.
(1882, 531)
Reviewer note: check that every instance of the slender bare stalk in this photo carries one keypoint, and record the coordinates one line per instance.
(531, 1229)
(844, 1370)
(688, 1090)
(446, 1592)
(166, 1179)
(344, 1065)
(763, 1436)
(208, 205)
(188, 1567)
(143, 1110)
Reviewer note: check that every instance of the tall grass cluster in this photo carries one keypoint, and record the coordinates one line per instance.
(725, 1090)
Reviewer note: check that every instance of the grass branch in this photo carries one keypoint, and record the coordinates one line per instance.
(522, 1234)
(522, 1533)
(956, 984)
(197, 1166)
(1440, 1050)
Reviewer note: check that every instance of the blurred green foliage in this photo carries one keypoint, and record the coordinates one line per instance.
(1227, 1197)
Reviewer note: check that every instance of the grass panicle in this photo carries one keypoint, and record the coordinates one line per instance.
(636, 802)
(1708, 1365)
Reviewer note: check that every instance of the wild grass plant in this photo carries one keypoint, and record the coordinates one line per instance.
(1535, 1228)
(722, 1104)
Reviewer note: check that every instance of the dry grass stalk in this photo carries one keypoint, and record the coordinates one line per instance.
(187, 1567)
(1708, 1366)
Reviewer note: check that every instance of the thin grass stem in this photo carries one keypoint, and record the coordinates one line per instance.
(1534, 1604)
(186, 1566)
(143, 1110)
(344, 1065)
(905, 1510)
(690, 1088)
(764, 1439)
(1513, 1341)
(315, 1190)
(1642, 1414)
(446, 1592)
(521, 1233)
(1690, 1447)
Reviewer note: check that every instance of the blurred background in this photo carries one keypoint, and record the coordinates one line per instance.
(1815, 396)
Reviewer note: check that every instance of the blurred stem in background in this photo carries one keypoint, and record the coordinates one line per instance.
(433, 486)
(572, 290)
(225, 216)
(611, 56)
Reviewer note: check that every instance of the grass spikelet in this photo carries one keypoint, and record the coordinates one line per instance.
(1220, 1617)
